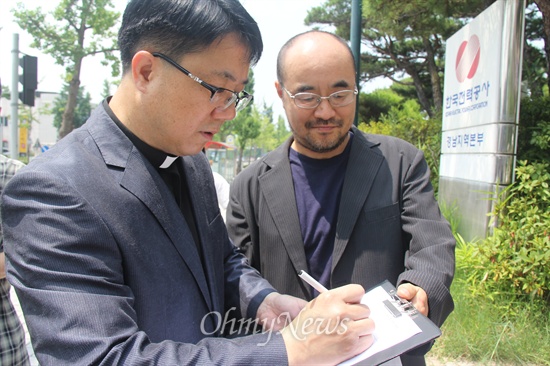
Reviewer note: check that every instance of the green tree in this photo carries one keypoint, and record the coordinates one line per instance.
(271, 134)
(82, 110)
(80, 28)
(544, 7)
(246, 126)
(407, 40)
(267, 111)
(108, 87)
(106, 92)
(281, 132)
(408, 122)
(6, 92)
(373, 105)
(228, 128)
(535, 70)
(533, 144)
(266, 140)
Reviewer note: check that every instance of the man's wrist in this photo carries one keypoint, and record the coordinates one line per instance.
(254, 305)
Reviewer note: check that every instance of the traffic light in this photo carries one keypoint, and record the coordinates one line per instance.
(28, 79)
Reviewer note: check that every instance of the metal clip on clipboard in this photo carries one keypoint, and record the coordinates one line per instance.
(397, 334)
(398, 306)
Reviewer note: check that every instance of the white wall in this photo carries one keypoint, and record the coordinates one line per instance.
(42, 130)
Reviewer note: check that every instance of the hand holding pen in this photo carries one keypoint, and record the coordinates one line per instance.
(332, 328)
(312, 281)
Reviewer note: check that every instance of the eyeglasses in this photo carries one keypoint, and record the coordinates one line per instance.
(310, 100)
(222, 96)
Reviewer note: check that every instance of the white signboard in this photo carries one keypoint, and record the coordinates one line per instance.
(487, 168)
(482, 80)
(472, 71)
(480, 112)
(479, 139)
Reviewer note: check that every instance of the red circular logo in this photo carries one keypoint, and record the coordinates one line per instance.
(467, 59)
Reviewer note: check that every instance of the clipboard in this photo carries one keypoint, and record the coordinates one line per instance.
(386, 305)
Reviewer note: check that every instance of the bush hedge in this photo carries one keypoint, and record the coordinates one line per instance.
(515, 259)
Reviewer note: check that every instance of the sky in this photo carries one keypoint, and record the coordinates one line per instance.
(278, 20)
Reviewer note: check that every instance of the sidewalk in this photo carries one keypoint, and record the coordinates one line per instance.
(17, 306)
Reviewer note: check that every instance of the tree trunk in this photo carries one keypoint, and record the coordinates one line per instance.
(544, 7)
(67, 124)
(413, 73)
(434, 75)
(422, 97)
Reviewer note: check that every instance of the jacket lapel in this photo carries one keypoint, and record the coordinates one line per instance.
(283, 206)
(363, 166)
(141, 179)
(157, 197)
(197, 183)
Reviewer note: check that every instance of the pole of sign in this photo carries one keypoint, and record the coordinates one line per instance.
(355, 35)
(14, 120)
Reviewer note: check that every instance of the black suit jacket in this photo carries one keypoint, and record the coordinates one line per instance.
(105, 265)
(389, 224)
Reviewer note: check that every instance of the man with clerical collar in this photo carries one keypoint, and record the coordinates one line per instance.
(114, 239)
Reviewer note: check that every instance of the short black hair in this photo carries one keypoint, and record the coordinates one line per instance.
(290, 42)
(179, 27)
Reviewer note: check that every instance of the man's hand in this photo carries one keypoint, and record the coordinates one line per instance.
(277, 311)
(330, 329)
(416, 295)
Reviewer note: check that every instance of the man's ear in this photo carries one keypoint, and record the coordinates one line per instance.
(279, 88)
(143, 64)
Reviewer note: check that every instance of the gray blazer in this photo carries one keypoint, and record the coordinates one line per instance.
(389, 224)
(105, 265)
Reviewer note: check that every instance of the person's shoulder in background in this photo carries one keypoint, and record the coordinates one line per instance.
(8, 168)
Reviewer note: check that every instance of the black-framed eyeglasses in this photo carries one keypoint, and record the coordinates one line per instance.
(222, 96)
(311, 101)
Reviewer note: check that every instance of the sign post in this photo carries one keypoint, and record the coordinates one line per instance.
(480, 113)
(14, 120)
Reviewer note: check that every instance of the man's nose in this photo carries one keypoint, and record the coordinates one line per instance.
(324, 110)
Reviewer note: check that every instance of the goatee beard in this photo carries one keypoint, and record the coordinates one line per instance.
(315, 146)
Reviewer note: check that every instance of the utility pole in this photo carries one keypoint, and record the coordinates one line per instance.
(14, 122)
(355, 32)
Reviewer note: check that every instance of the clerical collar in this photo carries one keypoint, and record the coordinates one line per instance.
(158, 158)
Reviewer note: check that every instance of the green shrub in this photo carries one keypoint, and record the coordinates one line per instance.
(488, 332)
(534, 130)
(408, 122)
(451, 214)
(373, 105)
(514, 260)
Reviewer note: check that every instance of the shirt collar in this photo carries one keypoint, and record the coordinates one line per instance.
(158, 158)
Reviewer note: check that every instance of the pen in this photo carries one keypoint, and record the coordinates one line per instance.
(312, 281)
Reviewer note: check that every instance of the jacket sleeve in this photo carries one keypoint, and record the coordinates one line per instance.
(67, 269)
(241, 218)
(430, 260)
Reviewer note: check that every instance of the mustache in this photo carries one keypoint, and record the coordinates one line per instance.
(324, 122)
